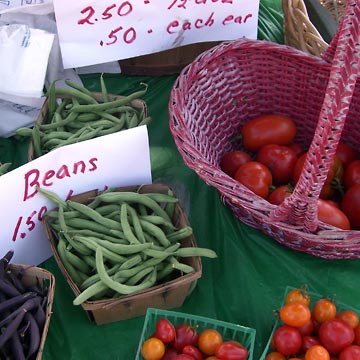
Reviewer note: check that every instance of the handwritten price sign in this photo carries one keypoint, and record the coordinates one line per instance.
(93, 32)
(66, 171)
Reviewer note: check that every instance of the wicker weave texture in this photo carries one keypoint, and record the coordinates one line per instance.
(236, 81)
(300, 32)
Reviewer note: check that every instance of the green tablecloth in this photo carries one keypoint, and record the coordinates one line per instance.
(244, 285)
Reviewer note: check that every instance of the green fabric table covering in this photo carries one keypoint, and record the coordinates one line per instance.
(244, 285)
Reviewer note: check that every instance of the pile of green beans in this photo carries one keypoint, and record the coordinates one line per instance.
(120, 242)
(75, 114)
(4, 167)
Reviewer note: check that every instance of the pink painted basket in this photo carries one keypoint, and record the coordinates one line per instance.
(235, 81)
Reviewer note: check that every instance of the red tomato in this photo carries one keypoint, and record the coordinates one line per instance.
(256, 177)
(280, 160)
(185, 335)
(332, 215)
(300, 295)
(231, 350)
(307, 329)
(335, 335)
(345, 153)
(165, 330)
(268, 129)
(287, 340)
(308, 342)
(297, 148)
(295, 314)
(351, 352)
(352, 174)
(183, 357)
(232, 160)
(275, 355)
(357, 335)
(209, 341)
(170, 353)
(350, 205)
(279, 194)
(193, 351)
(350, 317)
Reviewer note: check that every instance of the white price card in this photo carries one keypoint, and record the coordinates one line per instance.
(93, 32)
(119, 159)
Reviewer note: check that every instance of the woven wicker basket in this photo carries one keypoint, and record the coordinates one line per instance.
(235, 81)
(300, 32)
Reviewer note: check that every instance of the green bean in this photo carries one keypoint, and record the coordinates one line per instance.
(61, 219)
(94, 215)
(99, 235)
(78, 87)
(170, 207)
(51, 126)
(180, 234)
(24, 132)
(95, 278)
(121, 249)
(93, 245)
(165, 271)
(136, 224)
(133, 197)
(111, 104)
(131, 262)
(87, 136)
(78, 223)
(117, 286)
(162, 253)
(155, 231)
(111, 130)
(90, 260)
(129, 235)
(104, 91)
(145, 121)
(74, 274)
(195, 251)
(79, 247)
(67, 214)
(112, 118)
(162, 198)
(134, 121)
(158, 220)
(52, 197)
(99, 288)
(4, 168)
(77, 94)
(77, 262)
(36, 140)
(180, 266)
(52, 105)
(123, 109)
(54, 135)
(140, 275)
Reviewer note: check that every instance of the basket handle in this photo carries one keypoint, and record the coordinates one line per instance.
(301, 207)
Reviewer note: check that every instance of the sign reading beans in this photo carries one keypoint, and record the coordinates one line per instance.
(102, 31)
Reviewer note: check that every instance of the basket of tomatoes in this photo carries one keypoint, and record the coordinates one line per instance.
(312, 326)
(244, 95)
(178, 336)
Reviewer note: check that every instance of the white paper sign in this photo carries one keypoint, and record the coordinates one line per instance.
(119, 159)
(92, 32)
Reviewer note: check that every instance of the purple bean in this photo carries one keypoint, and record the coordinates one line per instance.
(11, 328)
(14, 279)
(16, 301)
(40, 316)
(34, 335)
(8, 288)
(17, 350)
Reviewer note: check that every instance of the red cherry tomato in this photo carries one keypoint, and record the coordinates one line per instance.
(280, 160)
(231, 350)
(352, 174)
(232, 160)
(295, 314)
(307, 329)
(268, 129)
(279, 194)
(193, 351)
(350, 205)
(287, 340)
(351, 352)
(185, 335)
(332, 215)
(165, 330)
(183, 357)
(256, 177)
(335, 335)
(170, 353)
(308, 342)
(345, 153)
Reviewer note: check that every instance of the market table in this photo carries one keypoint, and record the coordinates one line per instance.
(244, 285)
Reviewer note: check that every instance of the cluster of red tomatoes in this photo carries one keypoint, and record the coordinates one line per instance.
(317, 332)
(272, 162)
(184, 342)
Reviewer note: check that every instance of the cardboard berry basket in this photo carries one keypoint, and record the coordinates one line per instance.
(229, 331)
(43, 117)
(340, 306)
(237, 81)
(31, 276)
(164, 295)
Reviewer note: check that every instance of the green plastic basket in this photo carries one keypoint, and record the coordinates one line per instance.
(313, 298)
(229, 331)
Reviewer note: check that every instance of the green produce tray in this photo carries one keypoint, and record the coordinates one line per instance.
(313, 298)
(229, 331)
